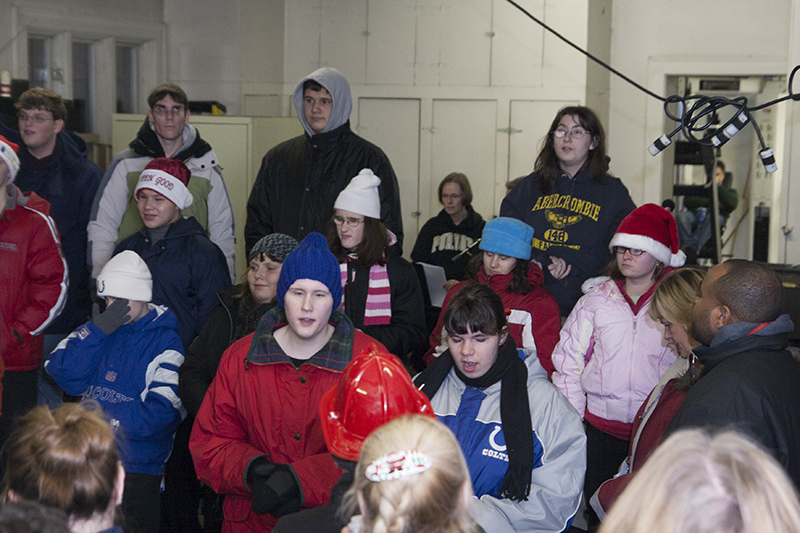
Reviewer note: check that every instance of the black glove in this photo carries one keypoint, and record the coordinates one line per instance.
(275, 488)
(113, 317)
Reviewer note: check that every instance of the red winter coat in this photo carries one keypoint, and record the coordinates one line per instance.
(255, 409)
(534, 322)
(33, 283)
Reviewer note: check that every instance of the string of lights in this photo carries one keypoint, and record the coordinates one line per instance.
(698, 113)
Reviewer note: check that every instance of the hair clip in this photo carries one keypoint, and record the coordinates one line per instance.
(398, 464)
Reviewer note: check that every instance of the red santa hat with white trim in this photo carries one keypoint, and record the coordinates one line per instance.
(8, 153)
(653, 229)
(169, 178)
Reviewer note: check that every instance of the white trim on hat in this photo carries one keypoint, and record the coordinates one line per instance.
(166, 185)
(12, 160)
(640, 242)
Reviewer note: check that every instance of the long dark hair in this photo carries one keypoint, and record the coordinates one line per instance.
(547, 167)
(372, 248)
(519, 274)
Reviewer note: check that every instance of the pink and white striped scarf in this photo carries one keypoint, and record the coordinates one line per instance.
(378, 309)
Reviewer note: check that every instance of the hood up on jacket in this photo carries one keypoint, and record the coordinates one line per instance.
(337, 85)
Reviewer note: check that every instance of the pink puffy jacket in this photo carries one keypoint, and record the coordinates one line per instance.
(608, 359)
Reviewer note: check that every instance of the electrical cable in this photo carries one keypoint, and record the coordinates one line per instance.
(700, 112)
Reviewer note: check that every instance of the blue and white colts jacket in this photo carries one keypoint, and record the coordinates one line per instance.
(133, 375)
(559, 452)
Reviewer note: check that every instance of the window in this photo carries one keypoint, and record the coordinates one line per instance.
(39, 62)
(126, 79)
(83, 86)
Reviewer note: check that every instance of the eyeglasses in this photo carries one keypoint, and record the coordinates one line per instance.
(620, 250)
(451, 196)
(161, 110)
(352, 222)
(576, 133)
(39, 118)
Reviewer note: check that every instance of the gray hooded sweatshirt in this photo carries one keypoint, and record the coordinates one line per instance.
(337, 85)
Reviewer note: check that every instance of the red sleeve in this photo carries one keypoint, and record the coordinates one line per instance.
(219, 442)
(546, 326)
(46, 271)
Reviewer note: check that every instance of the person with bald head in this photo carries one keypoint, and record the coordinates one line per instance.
(750, 382)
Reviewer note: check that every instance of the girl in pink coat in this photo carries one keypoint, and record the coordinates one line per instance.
(611, 353)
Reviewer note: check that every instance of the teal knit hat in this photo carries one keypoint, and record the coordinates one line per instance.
(507, 236)
(311, 260)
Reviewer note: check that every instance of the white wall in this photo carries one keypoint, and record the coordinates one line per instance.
(653, 39)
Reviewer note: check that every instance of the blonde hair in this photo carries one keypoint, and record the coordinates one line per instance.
(432, 501)
(673, 298)
(66, 458)
(696, 482)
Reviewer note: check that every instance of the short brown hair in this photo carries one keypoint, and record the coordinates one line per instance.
(66, 458)
(41, 98)
(462, 181)
(168, 89)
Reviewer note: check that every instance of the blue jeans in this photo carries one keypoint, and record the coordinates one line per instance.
(698, 237)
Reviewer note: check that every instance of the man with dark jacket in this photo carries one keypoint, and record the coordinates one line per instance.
(750, 382)
(53, 164)
(300, 178)
(165, 133)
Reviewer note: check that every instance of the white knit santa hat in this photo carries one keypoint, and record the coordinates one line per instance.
(126, 276)
(361, 195)
(653, 229)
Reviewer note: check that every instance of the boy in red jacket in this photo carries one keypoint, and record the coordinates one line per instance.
(33, 286)
(258, 437)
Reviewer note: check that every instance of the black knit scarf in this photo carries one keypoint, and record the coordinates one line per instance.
(517, 426)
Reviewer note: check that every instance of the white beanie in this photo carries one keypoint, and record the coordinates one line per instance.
(126, 276)
(361, 195)
(8, 152)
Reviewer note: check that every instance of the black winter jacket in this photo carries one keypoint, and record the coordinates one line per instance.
(69, 182)
(188, 270)
(440, 240)
(299, 180)
(228, 322)
(751, 384)
(407, 327)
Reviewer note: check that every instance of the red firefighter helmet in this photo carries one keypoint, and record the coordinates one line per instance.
(375, 388)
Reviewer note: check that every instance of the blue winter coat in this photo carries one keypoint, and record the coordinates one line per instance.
(133, 374)
(188, 270)
(68, 182)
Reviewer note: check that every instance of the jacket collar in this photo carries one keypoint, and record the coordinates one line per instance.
(323, 140)
(334, 356)
(742, 337)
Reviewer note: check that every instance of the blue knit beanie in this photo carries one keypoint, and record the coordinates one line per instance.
(311, 260)
(507, 236)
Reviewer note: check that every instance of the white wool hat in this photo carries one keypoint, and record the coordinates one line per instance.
(361, 195)
(8, 152)
(126, 276)
(166, 185)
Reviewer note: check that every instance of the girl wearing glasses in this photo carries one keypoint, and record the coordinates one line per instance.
(573, 203)
(611, 353)
(381, 292)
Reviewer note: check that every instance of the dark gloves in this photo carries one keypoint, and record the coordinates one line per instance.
(113, 317)
(276, 489)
